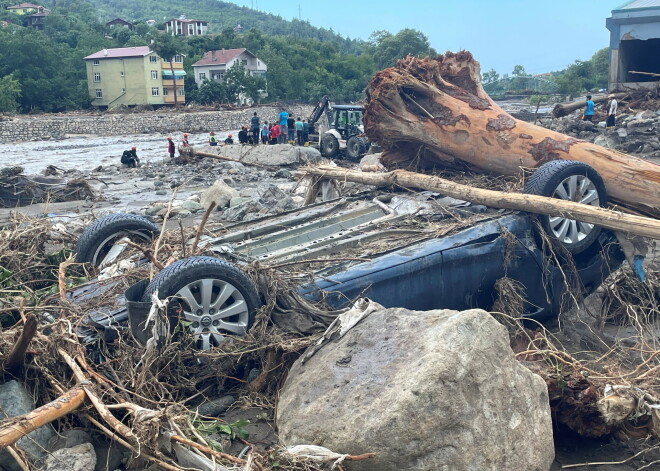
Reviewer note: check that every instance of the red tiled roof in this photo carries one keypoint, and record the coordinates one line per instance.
(138, 51)
(221, 57)
(187, 20)
(25, 5)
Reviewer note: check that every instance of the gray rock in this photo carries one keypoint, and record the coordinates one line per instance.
(78, 458)
(276, 155)
(69, 439)
(371, 161)
(237, 201)
(15, 400)
(271, 196)
(192, 206)
(622, 133)
(239, 212)
(425, 391)
(219, 192)
(152, 210)
(283, 173)
(215, 407)
(158, 183)
(108, 455)
(161, 192)
(605, 141)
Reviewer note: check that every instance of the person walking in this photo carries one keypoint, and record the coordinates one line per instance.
(254, 123)
(283, 132)
(611, 114)
(212, 140)
(171, 148)
(264, 133)
(589, 110)
(300, 133)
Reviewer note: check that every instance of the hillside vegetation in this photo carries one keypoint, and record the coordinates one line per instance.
(44, 71)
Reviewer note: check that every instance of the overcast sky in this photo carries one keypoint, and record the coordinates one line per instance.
(541, 35)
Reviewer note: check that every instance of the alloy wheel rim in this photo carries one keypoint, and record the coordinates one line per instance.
(579, 189)
(212, 309)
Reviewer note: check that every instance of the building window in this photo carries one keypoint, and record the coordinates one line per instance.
(97, 77)
(121, 73)
(244, 61)
(181, 91)
(154, 91)
(165, 91)
(123, 90)
(99, 93)
(202, 75)
(96, 62)
(178, 58)
(154, 75)
(153, 58)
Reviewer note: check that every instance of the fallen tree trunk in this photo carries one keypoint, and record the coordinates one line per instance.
(564, 109)
(434, 113)
(610, 219)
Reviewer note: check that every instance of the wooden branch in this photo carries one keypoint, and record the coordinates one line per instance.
(208, 450)
(608, 218)
(200, 153)
(644, 73)
(16, 358)
(200, 229)
(14, 428)
(146, 252)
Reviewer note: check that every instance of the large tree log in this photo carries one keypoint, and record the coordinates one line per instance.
(610, 219)
(563, 109)
(434, 113)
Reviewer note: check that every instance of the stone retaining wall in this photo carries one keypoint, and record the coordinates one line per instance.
(45, 127)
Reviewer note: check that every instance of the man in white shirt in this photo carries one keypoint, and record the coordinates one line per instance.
(611, 114)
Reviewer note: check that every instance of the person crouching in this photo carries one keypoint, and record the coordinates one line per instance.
(129, 158)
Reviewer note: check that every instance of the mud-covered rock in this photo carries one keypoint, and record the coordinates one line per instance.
(425, 391)
(220, 193)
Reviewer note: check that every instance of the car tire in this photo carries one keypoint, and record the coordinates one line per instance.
(100, 236)
(215, 297)
(572, 181)
(329, 146)
(355, 147)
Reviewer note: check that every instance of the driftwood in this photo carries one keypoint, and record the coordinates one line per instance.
(16, 357)
(610, 219)
(434, 113)
(564, 109)
(14, 428)
(22, 190)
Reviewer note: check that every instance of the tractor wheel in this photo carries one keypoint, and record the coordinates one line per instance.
(329, 146)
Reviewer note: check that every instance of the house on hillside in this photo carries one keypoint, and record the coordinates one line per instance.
(634, 45)
(133, 76)
(118, 22)
(184, 27)
(215, 64)
(26, 9)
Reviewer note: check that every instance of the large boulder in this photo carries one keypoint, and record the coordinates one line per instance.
(274, 155)
(220, 193)
(425, 391)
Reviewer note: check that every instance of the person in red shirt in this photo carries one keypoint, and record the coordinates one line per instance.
(274, 133)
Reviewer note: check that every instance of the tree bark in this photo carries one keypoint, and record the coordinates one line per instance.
(16, 358)
(14, 428)
(610, 219)
(434, 113)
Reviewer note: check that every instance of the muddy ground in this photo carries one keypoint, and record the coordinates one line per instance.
(133, 190)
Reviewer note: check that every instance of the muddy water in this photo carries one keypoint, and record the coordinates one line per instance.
(85, 153)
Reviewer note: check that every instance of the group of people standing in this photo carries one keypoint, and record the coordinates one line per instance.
(284, 129)
(590, 107)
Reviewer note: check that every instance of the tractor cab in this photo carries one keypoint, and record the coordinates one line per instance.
(346, 119)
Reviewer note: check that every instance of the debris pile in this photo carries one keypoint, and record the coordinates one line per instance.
(17, 189)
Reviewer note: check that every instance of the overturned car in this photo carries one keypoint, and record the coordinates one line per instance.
(417, 251)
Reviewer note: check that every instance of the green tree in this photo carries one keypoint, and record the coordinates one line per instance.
(518, 71)
(166, 46)
(10, 92)
(388, 48)
(211, 91)
(490, 77)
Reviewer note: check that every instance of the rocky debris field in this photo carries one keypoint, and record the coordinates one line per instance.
(359, 385)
